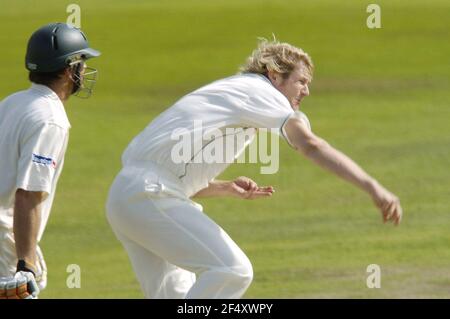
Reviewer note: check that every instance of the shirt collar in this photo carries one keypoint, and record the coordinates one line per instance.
(265, 78)
(44, 91)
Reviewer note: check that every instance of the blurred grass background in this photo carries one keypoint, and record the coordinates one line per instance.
(380, 95)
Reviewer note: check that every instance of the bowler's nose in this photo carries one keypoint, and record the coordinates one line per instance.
(305, 90)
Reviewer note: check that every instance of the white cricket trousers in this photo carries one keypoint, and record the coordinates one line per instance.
(175, 250)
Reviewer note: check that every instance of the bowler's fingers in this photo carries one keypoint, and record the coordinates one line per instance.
(262, 192)
(399, 215)
(385, 212)
(384, 218)
(254, 193)
(266, 189)
(393, 212)
(253, 186)
(247, 183)
(259, 194)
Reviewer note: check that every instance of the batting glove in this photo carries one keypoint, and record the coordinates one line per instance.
(21, 286)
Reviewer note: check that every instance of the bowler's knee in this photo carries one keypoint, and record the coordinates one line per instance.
(243, 272)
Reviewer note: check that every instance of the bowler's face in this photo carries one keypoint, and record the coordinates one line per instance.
(295, 87)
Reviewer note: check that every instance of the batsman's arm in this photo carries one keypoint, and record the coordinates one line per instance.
(320, 152)
(27, 216)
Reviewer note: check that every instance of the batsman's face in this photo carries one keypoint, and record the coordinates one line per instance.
(75, 75)
(83, 68)
(295, 87)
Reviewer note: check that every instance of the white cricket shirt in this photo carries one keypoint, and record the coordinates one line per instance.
(244, 102)
(34, 132)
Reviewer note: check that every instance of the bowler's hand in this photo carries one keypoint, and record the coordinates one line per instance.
(245, 188)
(388, 203)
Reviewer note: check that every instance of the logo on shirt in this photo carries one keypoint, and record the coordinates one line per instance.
(39, 159)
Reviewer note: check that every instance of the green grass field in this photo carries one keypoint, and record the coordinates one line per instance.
(382, 96)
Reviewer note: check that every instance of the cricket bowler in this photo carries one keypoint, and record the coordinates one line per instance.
(34, 132)
(175, 249)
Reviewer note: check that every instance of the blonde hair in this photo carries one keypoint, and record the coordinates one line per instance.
(276, 56)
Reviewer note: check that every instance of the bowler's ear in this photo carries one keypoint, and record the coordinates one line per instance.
(274, 77)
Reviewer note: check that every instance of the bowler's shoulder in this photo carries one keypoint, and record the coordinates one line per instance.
(261, 90)
(302, 117)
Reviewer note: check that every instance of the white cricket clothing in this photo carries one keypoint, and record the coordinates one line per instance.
(8, 259)
(246, 101)
(170, 242)
(175, 249)
(34, 132)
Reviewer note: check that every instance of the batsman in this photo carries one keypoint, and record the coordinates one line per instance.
(34, 132)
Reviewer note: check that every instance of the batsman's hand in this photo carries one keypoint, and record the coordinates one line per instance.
(388, 203)
(21, 286)
(245, 188)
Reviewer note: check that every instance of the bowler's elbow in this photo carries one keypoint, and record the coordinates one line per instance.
(300, 137)
(311, 146)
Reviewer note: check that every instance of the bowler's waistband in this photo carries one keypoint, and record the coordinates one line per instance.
(164, 175)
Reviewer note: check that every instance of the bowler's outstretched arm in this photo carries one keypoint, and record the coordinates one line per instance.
(320, 152)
